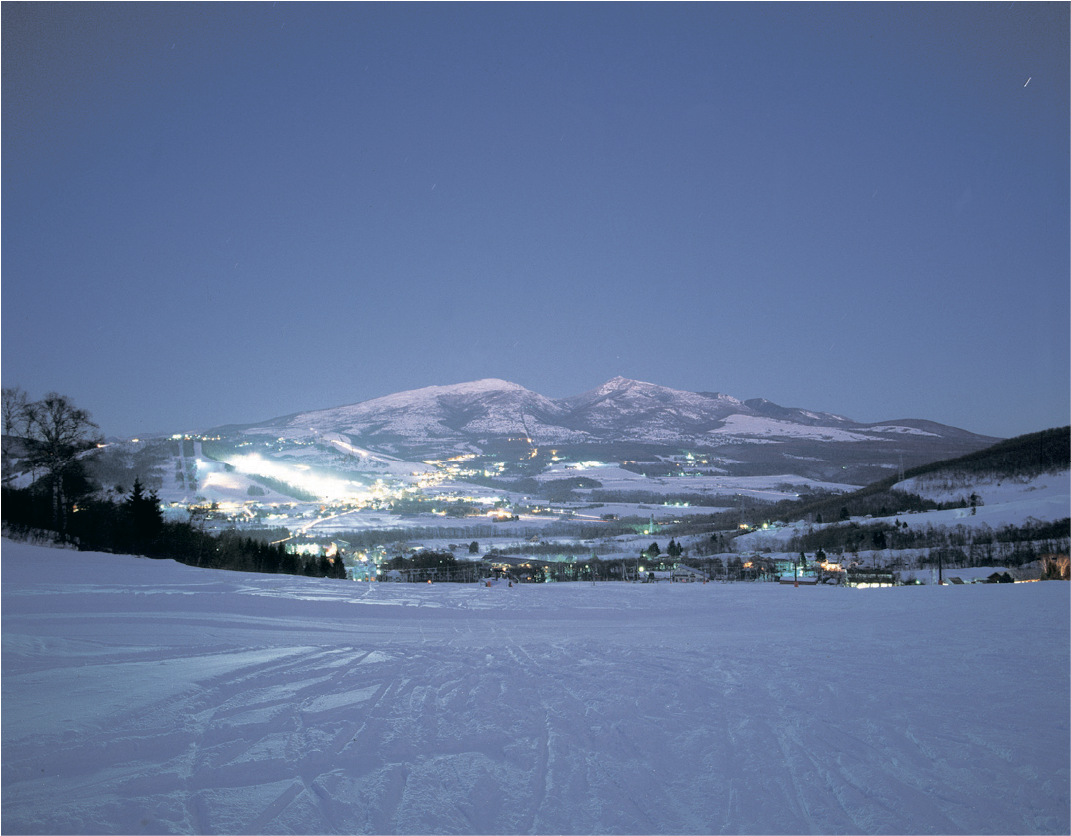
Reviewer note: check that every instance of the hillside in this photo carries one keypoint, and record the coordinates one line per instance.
(504, 420)
(1024, 456)
(1017, 459)
(1007, 505)
(446, 457)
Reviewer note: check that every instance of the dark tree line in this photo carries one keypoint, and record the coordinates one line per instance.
(428, 565)
(961, 544)
(135, 525)
(49, 439)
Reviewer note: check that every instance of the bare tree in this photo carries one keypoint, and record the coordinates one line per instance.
(15, 411)
(62, 432)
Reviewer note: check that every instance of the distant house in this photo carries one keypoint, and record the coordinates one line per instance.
(788, 565)
(676, 574)
(863, 576)
(687, 574)
(782, 565)
(801, 580)
(517, 567)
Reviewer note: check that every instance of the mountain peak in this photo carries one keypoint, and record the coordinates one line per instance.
(484, 384)
(620, 382)
(627, 384)
(482, 413)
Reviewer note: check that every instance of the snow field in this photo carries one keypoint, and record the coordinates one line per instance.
(1007, 502)
(148, 697)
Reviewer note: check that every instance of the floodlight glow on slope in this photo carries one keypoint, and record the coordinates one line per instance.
(324, 487)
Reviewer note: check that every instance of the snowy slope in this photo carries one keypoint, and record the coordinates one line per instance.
(751, 426)
(493, 407)
(800, 416)
(1044, 498)
(470, 417)
(632, 408)
(945, 486)
(148, 697)
(613, 478)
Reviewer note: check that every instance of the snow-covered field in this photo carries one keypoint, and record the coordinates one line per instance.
(1046, 497)
(1008, 501)
(148, 697)
(769, 488)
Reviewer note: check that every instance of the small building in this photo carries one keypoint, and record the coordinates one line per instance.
(517, 567)
(686, 574)
(863, 576)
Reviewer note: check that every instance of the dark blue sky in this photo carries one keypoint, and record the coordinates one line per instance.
(222, 213)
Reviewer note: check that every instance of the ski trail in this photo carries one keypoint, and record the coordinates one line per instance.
(259, 824)
(229, 703)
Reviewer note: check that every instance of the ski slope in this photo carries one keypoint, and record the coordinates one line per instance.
(145, 696)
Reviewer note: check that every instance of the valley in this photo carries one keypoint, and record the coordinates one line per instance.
(489, 468)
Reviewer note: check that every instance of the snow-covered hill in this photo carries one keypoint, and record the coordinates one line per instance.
(626, 408)
(999, 502)
(756, 436)
(442, 414)
(143, 696)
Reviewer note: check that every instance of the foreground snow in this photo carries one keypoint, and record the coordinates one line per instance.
(144, 696)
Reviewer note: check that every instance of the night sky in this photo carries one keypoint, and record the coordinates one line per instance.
(219, 213)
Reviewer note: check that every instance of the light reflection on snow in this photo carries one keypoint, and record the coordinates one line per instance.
(300, 476)
(230, 712)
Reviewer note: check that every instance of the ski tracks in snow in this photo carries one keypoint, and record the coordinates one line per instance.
(321, 708)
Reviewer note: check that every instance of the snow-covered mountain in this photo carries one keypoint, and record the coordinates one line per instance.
(755, 435)
(440, 416)
(798, 416)
(624, 408)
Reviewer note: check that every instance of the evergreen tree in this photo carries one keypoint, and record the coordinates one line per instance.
(144, 519)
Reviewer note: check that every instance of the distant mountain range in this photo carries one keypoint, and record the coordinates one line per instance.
(629, 420)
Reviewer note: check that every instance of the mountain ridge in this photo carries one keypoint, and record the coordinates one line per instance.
(629, 398)
(484, 416)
